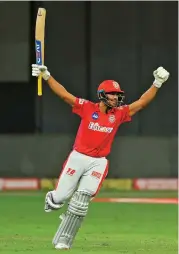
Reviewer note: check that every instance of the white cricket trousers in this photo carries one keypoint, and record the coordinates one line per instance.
(80, 172)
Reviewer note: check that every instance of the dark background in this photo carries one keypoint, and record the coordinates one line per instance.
(85, 43)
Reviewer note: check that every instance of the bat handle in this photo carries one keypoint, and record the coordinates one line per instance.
(40, 86)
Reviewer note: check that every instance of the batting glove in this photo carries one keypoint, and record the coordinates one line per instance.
(38, 70)
(160, 75)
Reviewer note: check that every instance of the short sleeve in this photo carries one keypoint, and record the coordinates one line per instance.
(79, 107)
(125, 117)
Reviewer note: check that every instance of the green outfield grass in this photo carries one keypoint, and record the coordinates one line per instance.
(109, 228)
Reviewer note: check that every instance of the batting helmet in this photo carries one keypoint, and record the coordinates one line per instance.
(107, 87)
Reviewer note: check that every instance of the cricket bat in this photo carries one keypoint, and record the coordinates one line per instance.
(39, 42)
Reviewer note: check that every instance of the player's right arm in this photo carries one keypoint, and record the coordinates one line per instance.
(53, 84)
(61, 91)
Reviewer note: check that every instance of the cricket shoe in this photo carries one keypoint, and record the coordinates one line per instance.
(61, 246)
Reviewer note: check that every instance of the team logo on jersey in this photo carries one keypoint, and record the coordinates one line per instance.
(112, 118)
(95, 116)
(116, 85)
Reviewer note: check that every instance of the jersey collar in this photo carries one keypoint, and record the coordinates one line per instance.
(98, 110)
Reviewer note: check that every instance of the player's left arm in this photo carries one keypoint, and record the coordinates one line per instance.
(160, 75)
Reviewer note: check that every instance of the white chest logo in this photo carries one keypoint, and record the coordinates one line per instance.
(112, 118)
(96, 127)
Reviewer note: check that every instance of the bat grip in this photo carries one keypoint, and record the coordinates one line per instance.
(40, 86)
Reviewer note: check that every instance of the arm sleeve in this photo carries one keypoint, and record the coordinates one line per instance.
(125, 114)
(80, 106)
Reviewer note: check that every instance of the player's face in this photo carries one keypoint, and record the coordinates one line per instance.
(112, 99)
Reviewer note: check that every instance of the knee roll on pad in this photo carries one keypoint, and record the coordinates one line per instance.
(79, 203)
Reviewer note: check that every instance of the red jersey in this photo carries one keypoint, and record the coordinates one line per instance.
(97, 130)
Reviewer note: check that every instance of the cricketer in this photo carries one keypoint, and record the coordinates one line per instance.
(87, 166)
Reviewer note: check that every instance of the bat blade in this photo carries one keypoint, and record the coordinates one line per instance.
(39, 42)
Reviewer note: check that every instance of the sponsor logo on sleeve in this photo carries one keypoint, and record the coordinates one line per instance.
(81, 101)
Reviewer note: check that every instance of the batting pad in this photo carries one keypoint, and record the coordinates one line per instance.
(72, 221)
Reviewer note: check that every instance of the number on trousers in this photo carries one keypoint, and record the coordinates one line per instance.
(70, 171)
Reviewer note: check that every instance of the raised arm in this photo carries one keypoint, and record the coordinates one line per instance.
(53, 84)
(161, 75)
